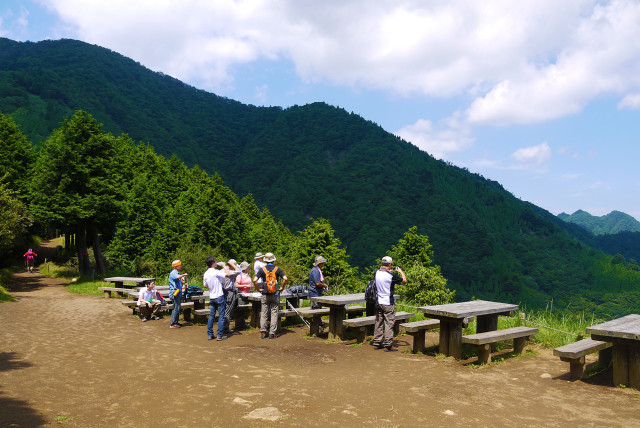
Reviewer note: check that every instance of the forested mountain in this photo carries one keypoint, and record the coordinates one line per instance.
(614, 222)
(316, 160)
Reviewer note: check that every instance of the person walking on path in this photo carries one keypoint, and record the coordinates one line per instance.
(217, 302)
(267, 282)
(30, 258)
(149, 302)
(386, 281)
(175, 291)
(316, 280)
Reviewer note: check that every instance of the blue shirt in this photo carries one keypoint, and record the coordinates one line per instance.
(174, 283)
(314, 277)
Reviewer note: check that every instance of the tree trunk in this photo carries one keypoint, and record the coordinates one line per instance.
(84, 266)
(67, 240)
(97, 254)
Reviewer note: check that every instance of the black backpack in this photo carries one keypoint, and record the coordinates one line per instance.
(193, 290)
(371, 292)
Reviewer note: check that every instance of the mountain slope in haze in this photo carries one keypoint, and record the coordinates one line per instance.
(612, 223)
(316, 161)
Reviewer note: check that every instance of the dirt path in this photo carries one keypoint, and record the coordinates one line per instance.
(85, 361)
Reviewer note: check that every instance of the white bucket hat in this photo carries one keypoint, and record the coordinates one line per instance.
(269, 257)
(318, 260)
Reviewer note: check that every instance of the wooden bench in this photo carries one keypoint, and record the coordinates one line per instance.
(108, 290)
(360, 324)
(483, 341)
(417, 329)
(314, 316)
(239, 315)
(574, 354)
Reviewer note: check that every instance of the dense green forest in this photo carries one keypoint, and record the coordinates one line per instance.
(612, 223)
(304, 163)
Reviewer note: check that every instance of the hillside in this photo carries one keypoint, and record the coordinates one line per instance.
(612, 223)
(316, 161)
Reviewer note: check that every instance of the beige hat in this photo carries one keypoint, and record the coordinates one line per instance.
(244, 265)
(258, 256)
(318, 260)
(269, 257)
(232, 262)
(387, 260)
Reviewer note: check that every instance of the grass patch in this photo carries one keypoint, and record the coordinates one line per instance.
(356, 345)
(5, 276)
(62, 419)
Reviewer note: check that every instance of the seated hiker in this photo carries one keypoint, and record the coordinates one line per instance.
(149, 302)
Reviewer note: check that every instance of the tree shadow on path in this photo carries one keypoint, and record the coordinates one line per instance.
(14, 412)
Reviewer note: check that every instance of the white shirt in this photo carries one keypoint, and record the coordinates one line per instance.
(145, 295)
(383, 284)
(257, 267)
(211, 280)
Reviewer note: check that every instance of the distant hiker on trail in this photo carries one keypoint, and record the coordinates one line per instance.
(175, 291)
(149, 302)
(217, 302)
(257, 267)
(267, 282)
(30, 257)
(316, 280)
(386, 281)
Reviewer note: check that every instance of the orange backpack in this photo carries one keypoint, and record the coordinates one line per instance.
(271, 281)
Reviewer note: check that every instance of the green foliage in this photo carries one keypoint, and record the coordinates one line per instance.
(612, 223)
(5, 276)
(14, 223)
(17, 156)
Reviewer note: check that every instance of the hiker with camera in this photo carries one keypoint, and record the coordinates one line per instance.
(316, 280)
(386, 279)
(266, 280)
(175, 291)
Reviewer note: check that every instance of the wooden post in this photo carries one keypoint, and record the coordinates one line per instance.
(340, 313)
(444, 338)
(576, 368)
(518, 344)
(455, 340)
(256, 307)
(418, 341)
(314, 325)
(634, 366)
(620, 364)
(484, 354)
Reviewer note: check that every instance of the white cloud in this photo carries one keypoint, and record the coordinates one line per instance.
(631, 101)
(572, 176)
(533, 157)
(447, 137)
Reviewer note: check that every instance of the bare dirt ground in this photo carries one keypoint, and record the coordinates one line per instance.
(85, 361)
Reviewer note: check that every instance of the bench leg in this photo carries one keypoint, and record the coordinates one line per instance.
(396, 328)
(484, 354)
(238, 319)
(314, 325)
(418, 341)
(187, 314)
(576, 368)
(455, 340)
(361, 334)
(107, 294)
(518, 344)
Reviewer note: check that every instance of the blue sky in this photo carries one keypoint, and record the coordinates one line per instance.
(541, 96)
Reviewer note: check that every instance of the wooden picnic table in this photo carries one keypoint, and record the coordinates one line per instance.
(624, 334)
(453, 315)
(338, 311)
(119, 281)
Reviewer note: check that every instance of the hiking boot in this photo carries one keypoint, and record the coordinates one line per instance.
(273, 336)
(175, 326)
(210, 338)
(221, 338)
(263, 336)
(376, 345)
(143, 319)
(390, 349)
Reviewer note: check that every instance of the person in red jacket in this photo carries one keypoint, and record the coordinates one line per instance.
(30, 257)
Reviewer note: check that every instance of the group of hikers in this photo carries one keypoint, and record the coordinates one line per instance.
(227, 281)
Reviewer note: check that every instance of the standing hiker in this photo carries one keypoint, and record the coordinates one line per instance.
(268, 278)
(257, 267)
(175, 291)
(386, 281)
(217, 301)
(316, 280)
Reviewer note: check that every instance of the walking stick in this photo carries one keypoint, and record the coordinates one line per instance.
(303, 320)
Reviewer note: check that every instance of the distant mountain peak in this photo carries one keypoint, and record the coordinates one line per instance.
(612, 223)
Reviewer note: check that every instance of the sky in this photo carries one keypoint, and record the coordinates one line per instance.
(542, 96)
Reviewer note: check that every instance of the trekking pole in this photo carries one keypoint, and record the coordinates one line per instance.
(294, 309)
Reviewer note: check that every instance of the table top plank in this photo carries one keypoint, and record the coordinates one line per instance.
(627, 327)
(473, 308)
(342, 299)
(128, 279)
